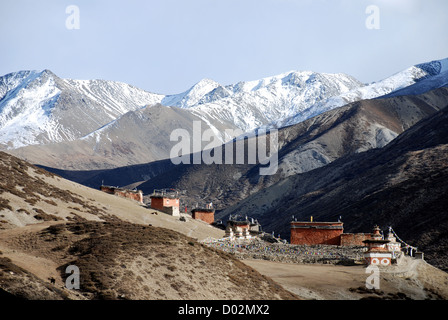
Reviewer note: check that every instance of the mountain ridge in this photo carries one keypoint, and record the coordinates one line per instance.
(41, 108)
(402, 185)
(314, 143)
(44, 108)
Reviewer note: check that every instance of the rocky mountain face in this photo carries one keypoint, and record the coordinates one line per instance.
(138, 136)
(303, 147)
(137, 131)
(40, 108)
(402, 185)
(86, 124)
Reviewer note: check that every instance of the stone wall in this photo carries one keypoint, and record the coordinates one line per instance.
(256, 248)
(130, 195)
(173, 211)
(124, 193)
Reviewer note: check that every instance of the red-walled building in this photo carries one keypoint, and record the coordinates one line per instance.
(354, 239)
(166, 201)
(309, 232)
(158, 202)
(204, 214)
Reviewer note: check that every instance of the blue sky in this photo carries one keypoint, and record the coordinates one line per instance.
(167, 46)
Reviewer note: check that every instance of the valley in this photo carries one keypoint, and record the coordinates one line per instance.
(362, 154)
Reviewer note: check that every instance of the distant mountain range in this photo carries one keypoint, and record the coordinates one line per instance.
(381, 161)
(311, 144)
(371, 153)
(97, 124)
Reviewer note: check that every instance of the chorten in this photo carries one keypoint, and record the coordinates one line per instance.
(377, 252)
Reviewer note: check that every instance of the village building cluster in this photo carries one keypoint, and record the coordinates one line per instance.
(380, 250)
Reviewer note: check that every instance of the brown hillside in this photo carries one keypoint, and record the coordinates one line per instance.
(122, 250)
(120, 260)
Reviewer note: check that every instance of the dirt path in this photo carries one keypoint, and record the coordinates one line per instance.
(313, 281)
(413, 279)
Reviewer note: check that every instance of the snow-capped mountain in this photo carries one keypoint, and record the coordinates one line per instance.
(295, 96)
(437, 78)
(418, 79)
(40, 108)
(253, 104)
(192, 96)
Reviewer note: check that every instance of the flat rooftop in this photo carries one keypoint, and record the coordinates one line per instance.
(316, 225)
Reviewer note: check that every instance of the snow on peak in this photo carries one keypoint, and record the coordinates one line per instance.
(398, 81)
(283, 79)
(192, 96)
(16, 80)
(26, 107)
(434, 67)
(38, 107)
(200, 89)
(266, 102)
(427, 76)
(444, 63)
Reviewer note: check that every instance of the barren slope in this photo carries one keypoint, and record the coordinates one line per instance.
(138, 136)
(29, 195)
(119, 260)
(49, 223)
(412, 279)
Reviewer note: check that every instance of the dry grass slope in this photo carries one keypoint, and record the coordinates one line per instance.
(120, 260)
(21, 180)
(121, 249)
